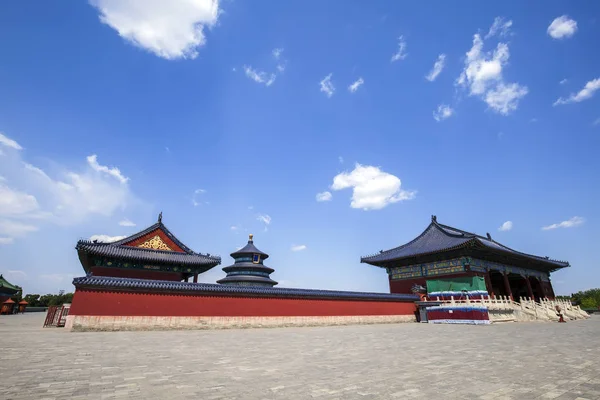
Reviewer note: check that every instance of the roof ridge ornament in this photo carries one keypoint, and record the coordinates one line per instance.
(433, 218)
(488, 236)
(160, 218)
(250, 238)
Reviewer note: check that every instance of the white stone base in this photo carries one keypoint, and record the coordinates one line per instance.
(118, 323)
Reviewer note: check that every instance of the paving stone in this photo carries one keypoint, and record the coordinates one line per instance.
(405, 361)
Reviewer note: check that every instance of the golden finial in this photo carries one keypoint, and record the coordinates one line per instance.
(250, 236)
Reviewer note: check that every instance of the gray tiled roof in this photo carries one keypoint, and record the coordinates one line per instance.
(440, 238)
(119, 250)
(226, 290)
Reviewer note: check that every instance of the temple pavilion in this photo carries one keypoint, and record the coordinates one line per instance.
(444, 253)
(248, 268)
(7, 289)
(153, 253)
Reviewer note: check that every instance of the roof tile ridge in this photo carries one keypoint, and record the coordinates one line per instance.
(443, 227)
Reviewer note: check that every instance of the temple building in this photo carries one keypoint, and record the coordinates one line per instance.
(444, 253)
(154, 253)
(248, 268)
(7, 290)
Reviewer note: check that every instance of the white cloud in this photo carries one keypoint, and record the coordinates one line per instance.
(235, 228)
(170, 29)
(126, 222)
(562, 27)
(106, 238)
(596, 122)
(16, 203)
(500, 27)
(195, 200)
(587, 92)
(6, 240)
(15, 275)
(327, 86)
(57, 279)
(505, 98)
(482, 75)
(13, 228)
(324, 196)
(8, 142)
(570, 223)
(277, 53)
(443, 111)
(259, 76)
(401, 53)
(372, 188)
(354, 86)
(70, 198)
(264, 218)
(299, 247)
(437, 68)
(114, 172)
(563, 81)
(507, 226)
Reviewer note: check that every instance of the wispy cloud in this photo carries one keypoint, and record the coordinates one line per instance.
(500, 27)
(114, 171)
(372, 188)
(355, 85)
(259, 76)
(443, 111)
(507, 226)
(401, 53)
(8, 142)
(265, 219)
(586, 93)
(324, 196)
(6, 240)
(562, 82)
(298, 247)
(341, 159)
(562, 27)
(196, 197)
(438, 66)
(327, 86)
(570, 223)
(126, 222)
(170, 29)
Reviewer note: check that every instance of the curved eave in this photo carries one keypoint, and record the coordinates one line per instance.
(135, 254)
(248, 266)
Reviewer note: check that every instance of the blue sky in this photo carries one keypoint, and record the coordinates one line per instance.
(237, 117)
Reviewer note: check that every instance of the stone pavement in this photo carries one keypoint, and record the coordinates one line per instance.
(529, 360)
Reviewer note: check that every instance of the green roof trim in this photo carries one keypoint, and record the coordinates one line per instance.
(7, 286)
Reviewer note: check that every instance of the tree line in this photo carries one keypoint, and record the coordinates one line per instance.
(587, 300)
(46, 300)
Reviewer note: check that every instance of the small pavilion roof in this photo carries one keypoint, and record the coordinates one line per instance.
(438, 238)
(173, 251)
(7, 286)
(249, 249)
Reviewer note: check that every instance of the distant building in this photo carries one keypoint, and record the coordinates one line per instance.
(445, 253)
(248, 269)
(7, 289)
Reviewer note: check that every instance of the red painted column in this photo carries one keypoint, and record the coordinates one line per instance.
(507, 286)
(196, 277)
(488, 284)
(529, 289)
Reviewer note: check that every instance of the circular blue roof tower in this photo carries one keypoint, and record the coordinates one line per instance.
(248, 268)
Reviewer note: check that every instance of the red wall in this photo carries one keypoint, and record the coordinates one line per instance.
(91, 302)
(136, 273)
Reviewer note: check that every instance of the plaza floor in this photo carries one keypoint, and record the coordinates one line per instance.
(403, 361)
